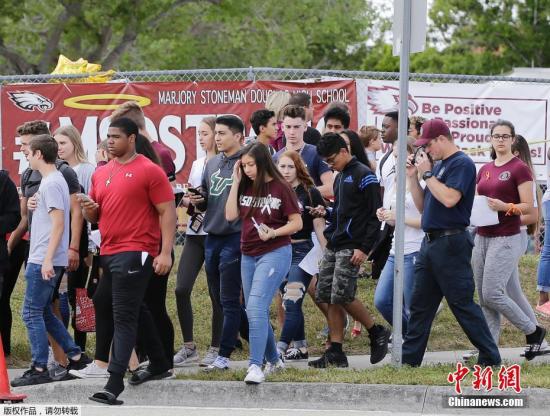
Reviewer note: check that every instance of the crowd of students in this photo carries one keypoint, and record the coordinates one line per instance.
(259, 208)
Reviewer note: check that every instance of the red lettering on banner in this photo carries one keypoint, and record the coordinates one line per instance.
(173, 110)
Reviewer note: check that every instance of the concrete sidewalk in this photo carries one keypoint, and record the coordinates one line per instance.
(338, 396)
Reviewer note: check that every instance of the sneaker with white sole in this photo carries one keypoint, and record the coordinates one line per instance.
(186, 356)
(296, 354)
(220, 363)
(254, 375)
(272, 368)
(470, 355)
(59, 373)
(92, 370)
(210, 356)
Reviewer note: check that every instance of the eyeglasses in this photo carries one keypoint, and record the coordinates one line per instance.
(503, 137)
(330, 160)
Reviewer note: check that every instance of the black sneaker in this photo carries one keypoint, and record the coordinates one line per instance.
(31, 377)
(534, 342)
(330, 359)
(296, 354)
(379, 339)
(79, 364)
(320, 362)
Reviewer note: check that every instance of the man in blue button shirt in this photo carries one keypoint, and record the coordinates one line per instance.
(443, 266)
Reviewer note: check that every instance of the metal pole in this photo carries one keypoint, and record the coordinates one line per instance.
(401, 185)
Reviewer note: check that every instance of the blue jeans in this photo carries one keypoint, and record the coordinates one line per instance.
(443, 268)
(39, 318)
(543, 274)
(293, 295)
(223, 272)
(262, 275)
(383, 296)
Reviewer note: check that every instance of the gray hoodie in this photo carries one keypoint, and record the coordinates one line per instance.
(217, 181)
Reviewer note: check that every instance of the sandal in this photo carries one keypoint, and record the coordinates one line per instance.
(143, 375)
(106, 397)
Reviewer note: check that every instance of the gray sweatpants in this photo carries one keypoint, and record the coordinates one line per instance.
(494, 262)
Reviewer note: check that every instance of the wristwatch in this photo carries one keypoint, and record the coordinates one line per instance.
(427, 175)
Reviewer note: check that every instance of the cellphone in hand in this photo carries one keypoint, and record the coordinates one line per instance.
(84, 197)
(194, 191)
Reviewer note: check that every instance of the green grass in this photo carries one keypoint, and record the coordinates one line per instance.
(446, 334)
(433, 375)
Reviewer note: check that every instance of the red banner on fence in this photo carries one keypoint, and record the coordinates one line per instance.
(173, 110)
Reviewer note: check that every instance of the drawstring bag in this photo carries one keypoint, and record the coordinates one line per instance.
(85, 312)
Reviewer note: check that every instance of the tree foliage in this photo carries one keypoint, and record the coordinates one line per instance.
(478, 37)
(179, 34)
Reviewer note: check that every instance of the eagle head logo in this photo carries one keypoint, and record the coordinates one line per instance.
(30, 101)
(382, 100)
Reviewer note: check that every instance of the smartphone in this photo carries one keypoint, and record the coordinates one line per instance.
(84, 197)
(194, 191)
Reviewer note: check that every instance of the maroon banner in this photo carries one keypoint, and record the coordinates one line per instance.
(172, 110)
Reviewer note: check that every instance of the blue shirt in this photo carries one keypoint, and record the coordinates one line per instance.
(458, 172)
(314, 164)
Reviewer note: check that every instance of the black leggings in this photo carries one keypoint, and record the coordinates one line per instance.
(191, 261)
(15, 261)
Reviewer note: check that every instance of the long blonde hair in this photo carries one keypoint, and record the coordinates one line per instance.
(74, 136)
(276, 102)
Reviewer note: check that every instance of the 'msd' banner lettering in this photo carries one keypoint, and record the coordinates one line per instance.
(173, 110)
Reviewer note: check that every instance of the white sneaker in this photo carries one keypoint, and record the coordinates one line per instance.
(210, 357)
(92, 370)
(186, 356)
(271, 368)
(254, 375)
(220, 363)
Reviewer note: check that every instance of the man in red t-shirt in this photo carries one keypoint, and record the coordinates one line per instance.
(127, 197)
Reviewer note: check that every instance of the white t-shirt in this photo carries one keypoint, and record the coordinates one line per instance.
(413, 236)
(386, 177)
(195, 180)
(84, 172)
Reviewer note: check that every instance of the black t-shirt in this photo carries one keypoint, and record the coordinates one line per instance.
(312, 198)
(312, 136)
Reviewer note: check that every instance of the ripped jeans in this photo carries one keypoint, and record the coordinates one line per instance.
(261, 276)
(294, 291)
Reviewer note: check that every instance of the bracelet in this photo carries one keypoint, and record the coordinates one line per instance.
(74, 249)
(513, 210)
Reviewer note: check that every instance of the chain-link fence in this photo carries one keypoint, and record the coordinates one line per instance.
(281, 74)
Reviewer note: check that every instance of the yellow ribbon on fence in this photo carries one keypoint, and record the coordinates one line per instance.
(81, 66)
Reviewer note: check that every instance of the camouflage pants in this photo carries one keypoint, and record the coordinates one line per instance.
(337, 282)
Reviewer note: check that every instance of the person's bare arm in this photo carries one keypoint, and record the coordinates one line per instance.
(167, 212)
(326, 189)
(57, 219)
(22, 228)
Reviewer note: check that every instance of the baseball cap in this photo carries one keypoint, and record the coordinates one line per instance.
(432, 129)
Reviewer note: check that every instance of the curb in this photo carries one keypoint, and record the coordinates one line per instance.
(322, 396)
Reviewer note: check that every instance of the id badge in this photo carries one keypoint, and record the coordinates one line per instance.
(196, 222)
